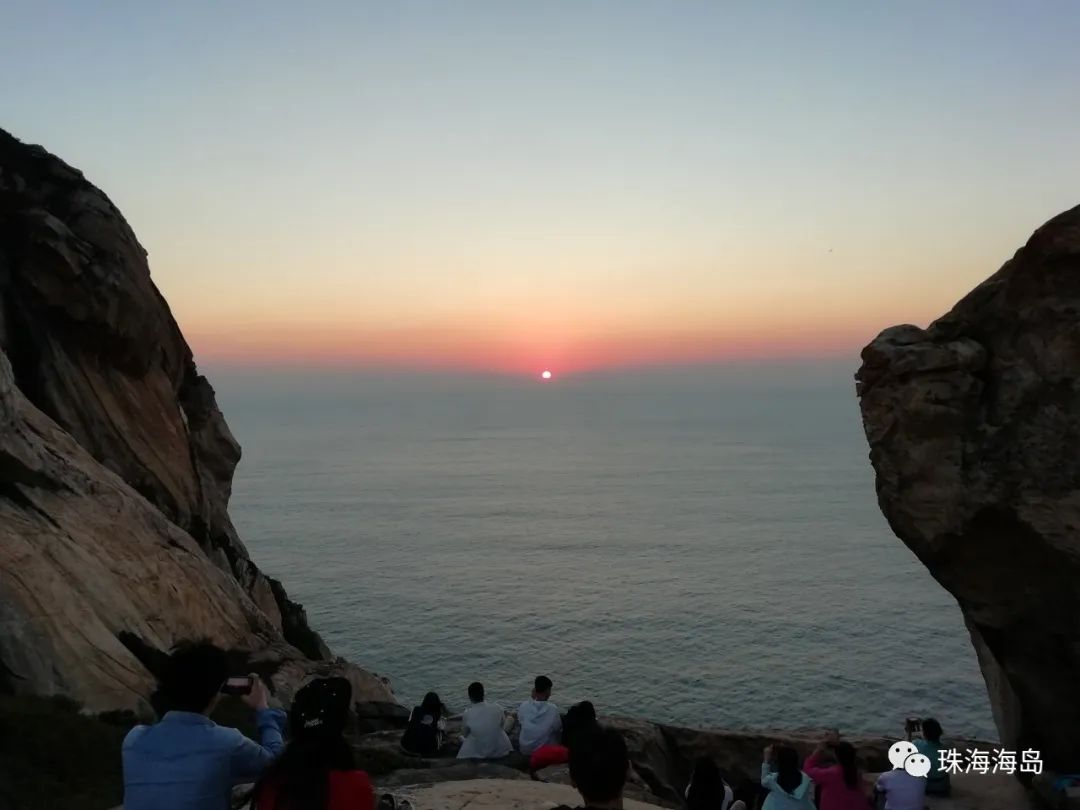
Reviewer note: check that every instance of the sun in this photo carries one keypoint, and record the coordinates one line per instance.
(545, 375)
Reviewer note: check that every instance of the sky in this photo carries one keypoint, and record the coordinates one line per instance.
(574, 185)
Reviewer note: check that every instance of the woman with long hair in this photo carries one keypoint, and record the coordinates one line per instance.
(424, 734)
(708, 790)
(579, 724)
(789, 788)
(840, 783)
(317, 770)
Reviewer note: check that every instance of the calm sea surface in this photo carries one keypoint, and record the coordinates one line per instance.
(702, 547)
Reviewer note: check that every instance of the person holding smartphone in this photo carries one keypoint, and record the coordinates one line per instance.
(835, 771)
(930, 745)
(788, 787)
(186, 760)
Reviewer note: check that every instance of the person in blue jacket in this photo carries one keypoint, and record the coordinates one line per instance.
(789, 788)
(186, 761)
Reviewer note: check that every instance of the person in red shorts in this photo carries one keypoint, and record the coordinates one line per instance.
(317, 770)
(580, 722)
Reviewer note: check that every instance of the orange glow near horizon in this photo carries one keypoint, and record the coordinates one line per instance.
(481, 350)
(569, 323)
(508, 188)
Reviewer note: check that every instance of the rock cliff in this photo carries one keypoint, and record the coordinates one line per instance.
(115, 466)
(974, 432)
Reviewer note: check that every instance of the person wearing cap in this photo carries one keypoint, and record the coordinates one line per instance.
(317, 770)
(186, 760)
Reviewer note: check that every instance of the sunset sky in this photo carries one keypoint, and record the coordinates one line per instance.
(512, 186)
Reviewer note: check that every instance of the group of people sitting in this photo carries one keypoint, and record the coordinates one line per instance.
(186, 761)
(544, 736)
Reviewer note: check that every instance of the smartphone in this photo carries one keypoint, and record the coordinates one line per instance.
(237, 686)
(912, 724)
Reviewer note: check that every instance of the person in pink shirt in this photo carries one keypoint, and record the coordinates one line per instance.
(840, 783)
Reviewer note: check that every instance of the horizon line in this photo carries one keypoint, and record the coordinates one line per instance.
(330, 365)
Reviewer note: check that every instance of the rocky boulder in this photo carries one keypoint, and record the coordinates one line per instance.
(973, 792)
(495, 794)
(115, 467)
(974, 433)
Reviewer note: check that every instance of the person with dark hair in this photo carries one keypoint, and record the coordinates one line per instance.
(841, 783)
(185, 760)
(482, 724)
(789, 788)
(424, 733)
(937, 781)
(580, 723)
(598, 770)
(899, 790)
(317, 770)
(539, 718)
(708, 790)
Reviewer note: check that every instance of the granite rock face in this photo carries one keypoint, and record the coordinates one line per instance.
(974, 433)
(496, 794)
(115, 466)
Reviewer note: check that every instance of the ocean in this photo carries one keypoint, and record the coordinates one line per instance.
(698, 546)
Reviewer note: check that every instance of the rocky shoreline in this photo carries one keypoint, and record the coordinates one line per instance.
(662, 756)
(116, 469)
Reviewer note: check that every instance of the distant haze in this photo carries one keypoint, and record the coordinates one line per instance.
(510, 186)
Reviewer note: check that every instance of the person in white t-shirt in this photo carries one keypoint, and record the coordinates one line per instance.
(539, 718)
(482, 725)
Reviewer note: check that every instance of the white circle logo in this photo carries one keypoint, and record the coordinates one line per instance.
(900, 751)
(917, 765)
